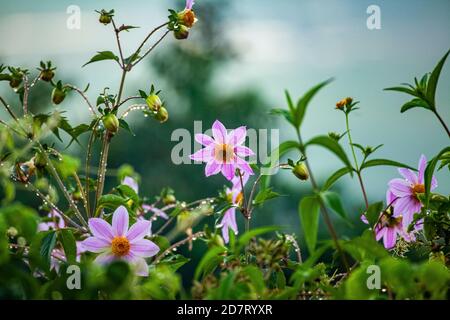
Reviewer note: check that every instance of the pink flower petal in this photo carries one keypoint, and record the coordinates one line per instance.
(243, 151)
(120, 221)
(212, 168)
(129, 181)
(390, 198)
(100, 229)
(390, 238)
(189, 4)
(144, 248)
(422, 166)
(138, 230)
(228, 222)
(203, 139)
(244, 166)
(237, 136)
(96, 245)
(219, 132)
(204, 155)
(141, 267)
(408, 175)
(228, 170)
(434, 183)
(400, 188)
(380, 232)
(104, 258)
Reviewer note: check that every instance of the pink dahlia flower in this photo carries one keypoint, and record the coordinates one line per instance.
(223, 152)
(117, 241)
(405, 191)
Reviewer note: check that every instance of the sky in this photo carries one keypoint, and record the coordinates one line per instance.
(287, 44)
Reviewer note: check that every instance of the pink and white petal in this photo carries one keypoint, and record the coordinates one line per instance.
(390, 198)
(138, 230)
(96, 245)
(243, 151)
(244, 166)
(364, 219)
(228, 170)
(390, 238)
(120, 221)
(400, 187)
(402, 205)
(422, 166)
(204, 155)
(189, 4)
(212, 168)
(144, 248)
(219, 132)
(100, 228)
(104, 258)
(129, 181)
(203, 139)
(159, 212)
(409, 175)
(380, 232)
(140, 267)
(237, 136)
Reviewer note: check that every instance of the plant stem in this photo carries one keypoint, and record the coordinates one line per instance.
(81, 93)
(102, 168)
(88, 161)
(324, 210)
(442, 122)
(358, 172)
(177, 244)
(83, 194)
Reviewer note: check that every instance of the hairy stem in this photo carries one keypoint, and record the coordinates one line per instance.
(88, 162)
(102, 167)
(178, 244)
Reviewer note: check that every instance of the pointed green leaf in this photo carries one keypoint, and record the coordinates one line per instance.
(69, 245)
(102, 55)
(429, 174)
(415, 103)
(335, 177)
(309, 218)
(433, 81)
(333, 146)
(333, 201)
(385, 162)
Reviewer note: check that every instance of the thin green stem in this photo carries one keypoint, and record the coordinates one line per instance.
(358, 172)
(102, 167)
(323, 208)
(442, 122)
(88, 162)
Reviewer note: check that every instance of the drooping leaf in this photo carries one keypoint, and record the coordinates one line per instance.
(335, 177)
(415, 103)
(333, 146)
(309, 218)
(102, 55)
(209, 261)
(385, 162)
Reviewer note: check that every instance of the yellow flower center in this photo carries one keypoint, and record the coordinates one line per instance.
(239, 198)
(189, 18)
(223, 153)
(418, 188)
(120, 246)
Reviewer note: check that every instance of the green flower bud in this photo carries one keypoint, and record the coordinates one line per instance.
(111, 123)
(154, 102)
(169, 199)
(15, 82)
(300, 171)
(162, 115)
(181, 33)
(58, 95)
(12, 232)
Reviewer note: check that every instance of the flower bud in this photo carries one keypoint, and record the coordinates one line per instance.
(12, 232)
(47, 75)
(162, 115)
(58, 95)
(340, 104)
(111, 123)
(39, 160)
(169, 199)
(187, 18)
(181, 33)
(105, 18)
(15, 82)
(300, 171)
(153, 102)
(348, 100)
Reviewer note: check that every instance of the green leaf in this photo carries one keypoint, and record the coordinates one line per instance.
(429, 174)
(124, 124)
(289, 101)
(102, 55)
(275, 156)
(309, 218)
(209, 261)
(264, 195)
(335, 177)
(67, 166)
(373, 212)
(433, 81)
(333, 201)
(333, 146)
(256, 278)
(415, 103)
(110, 201)
(68, 242)
(282, 112)
(303, 102)
(47, 245)
(404, 90)
(385, 162)
(246, 237)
